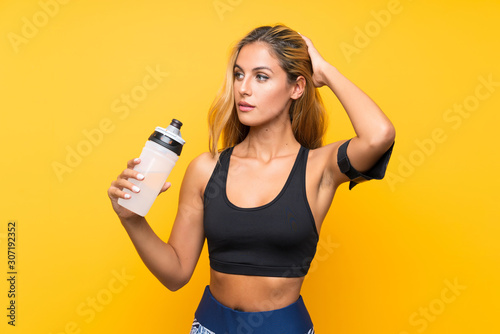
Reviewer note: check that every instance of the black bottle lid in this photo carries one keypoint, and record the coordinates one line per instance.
(170, 137)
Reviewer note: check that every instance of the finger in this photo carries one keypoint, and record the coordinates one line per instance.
(122, 183)
(306, 39)
(310, 45)
(114, 193)
(165, 186)
(131, 163)
(131, 173)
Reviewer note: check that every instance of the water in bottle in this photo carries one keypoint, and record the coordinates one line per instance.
(158, 157)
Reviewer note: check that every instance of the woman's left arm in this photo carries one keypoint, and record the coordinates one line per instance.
(374, 131)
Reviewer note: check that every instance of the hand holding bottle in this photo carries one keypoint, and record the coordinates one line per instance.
(116, 190)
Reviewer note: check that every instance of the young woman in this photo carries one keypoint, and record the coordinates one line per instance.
(260, 201)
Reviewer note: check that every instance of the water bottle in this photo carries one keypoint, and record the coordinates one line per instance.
(158, 157)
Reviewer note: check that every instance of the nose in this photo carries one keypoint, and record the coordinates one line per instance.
(244, 86)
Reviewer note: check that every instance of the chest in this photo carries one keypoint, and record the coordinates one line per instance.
(251, 183)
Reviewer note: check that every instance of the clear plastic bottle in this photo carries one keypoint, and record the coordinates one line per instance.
(158, 157)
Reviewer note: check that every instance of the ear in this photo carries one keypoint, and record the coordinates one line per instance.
(298, 87)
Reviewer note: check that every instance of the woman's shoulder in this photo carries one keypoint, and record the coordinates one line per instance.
(203, 163)
(201, 167)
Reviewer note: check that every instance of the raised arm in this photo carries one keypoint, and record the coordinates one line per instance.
(374, 131)
(172, 262)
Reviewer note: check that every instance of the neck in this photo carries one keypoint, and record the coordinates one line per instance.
(270, 140)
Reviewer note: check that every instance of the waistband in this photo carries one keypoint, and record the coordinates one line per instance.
(292, 319)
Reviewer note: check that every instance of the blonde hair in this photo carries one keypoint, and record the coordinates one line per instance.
(307, 113)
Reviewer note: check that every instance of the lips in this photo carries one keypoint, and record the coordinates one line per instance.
(244, 106)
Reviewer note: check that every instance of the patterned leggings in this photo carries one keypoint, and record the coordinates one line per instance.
(212, 317)
(197, 328)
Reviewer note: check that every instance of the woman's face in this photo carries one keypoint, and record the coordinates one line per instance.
(261, 89)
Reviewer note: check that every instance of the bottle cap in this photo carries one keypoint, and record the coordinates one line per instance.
(170, 137)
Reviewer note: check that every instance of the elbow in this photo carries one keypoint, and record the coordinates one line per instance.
(389, 134)
(385, 137)
(177, 284)
(173, 287)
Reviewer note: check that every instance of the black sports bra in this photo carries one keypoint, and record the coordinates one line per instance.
(277, 239)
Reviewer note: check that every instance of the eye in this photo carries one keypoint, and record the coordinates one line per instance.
(238, 75)
(261, 77)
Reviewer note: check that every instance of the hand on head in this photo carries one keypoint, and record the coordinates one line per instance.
(318, 63)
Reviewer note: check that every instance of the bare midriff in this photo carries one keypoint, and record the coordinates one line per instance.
(254, 293)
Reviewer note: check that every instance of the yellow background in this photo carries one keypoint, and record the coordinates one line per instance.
(389, 249)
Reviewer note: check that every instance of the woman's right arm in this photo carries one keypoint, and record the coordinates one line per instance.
(172, 262)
